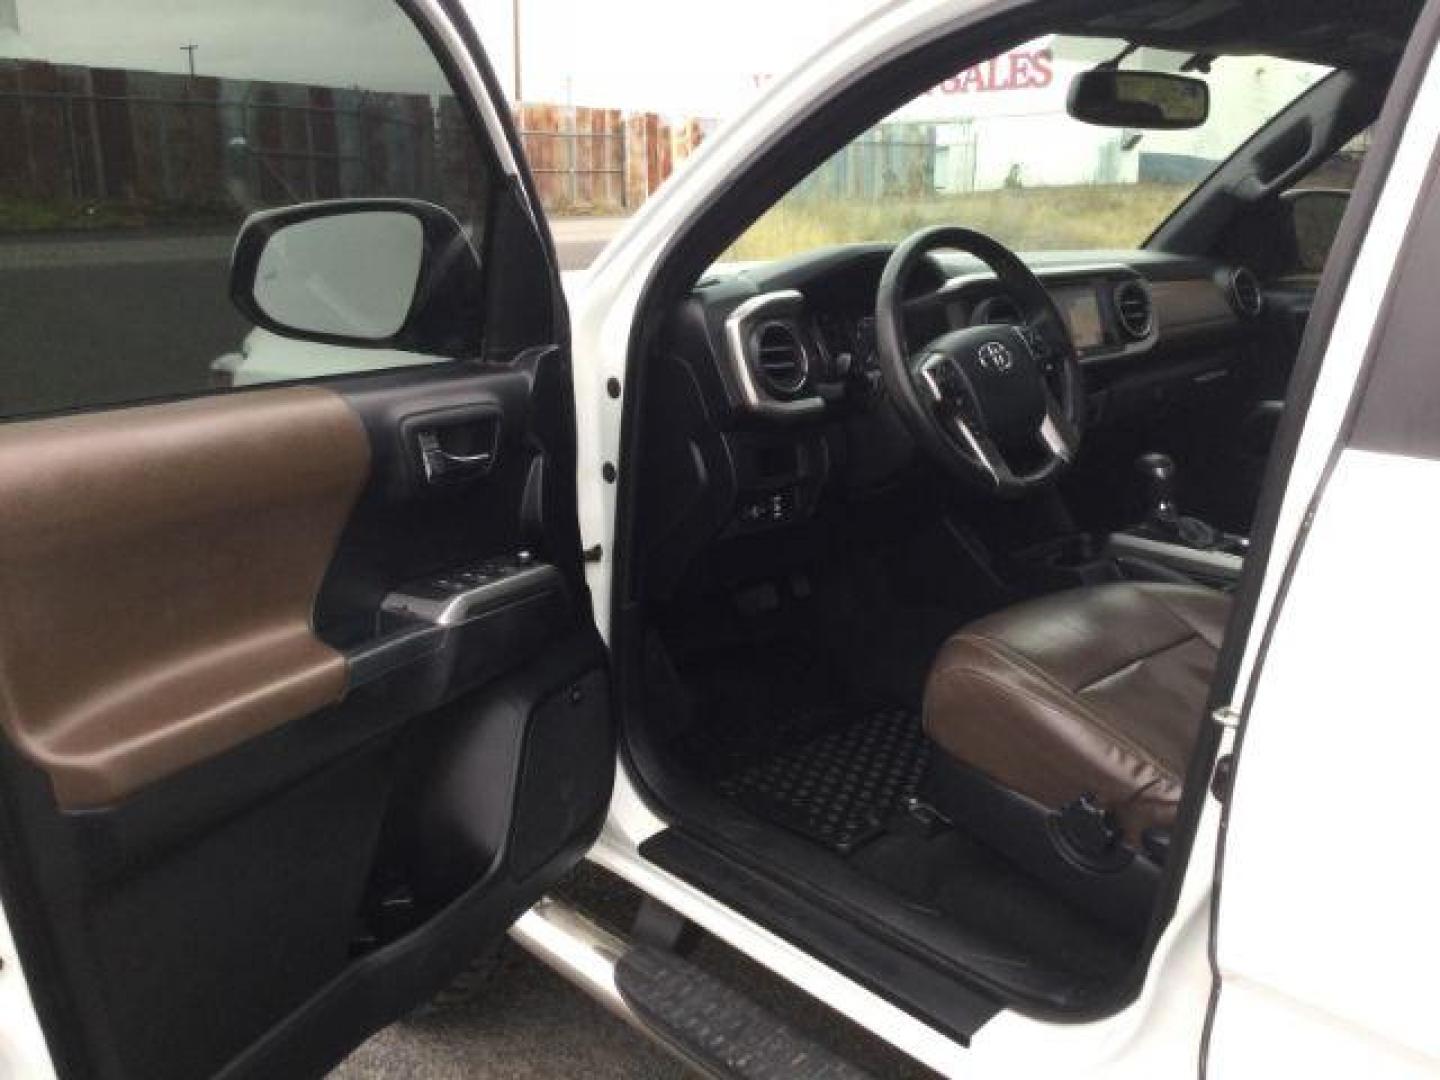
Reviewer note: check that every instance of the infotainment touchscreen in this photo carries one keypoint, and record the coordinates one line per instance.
(1081, 307)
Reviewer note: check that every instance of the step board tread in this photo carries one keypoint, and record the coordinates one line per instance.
(718, 1026)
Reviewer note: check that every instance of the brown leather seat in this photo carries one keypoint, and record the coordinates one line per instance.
(1099, 690)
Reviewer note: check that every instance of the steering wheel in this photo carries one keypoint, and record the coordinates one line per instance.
(998, 406)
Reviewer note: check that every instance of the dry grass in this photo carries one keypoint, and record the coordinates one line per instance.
(1027, 219)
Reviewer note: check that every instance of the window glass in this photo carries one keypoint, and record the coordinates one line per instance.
(135, 138)
(1341, 169)
(1316, 206)
(994, 149)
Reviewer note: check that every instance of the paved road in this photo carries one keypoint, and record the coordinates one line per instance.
(579, 240)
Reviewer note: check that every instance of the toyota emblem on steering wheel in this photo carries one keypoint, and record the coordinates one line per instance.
(994, 356)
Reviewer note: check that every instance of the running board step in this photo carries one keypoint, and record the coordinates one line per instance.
(707, 1022)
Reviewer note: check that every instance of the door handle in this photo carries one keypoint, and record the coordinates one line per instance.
(441, 465)
(464, 460)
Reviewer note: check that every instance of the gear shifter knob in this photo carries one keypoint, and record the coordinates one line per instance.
(1158, 471)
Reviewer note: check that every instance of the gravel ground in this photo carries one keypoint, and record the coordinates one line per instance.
(532, 1023)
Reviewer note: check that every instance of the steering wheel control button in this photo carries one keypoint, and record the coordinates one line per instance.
(946, 383)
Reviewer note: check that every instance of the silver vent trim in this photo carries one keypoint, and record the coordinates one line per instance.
(1135, 308)
(1245, 292)
(751, 393)
(781, 361)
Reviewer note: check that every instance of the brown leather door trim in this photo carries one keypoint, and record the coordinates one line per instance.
(158, 570)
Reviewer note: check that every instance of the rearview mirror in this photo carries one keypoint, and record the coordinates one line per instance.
(368, 273)
(1153, 100)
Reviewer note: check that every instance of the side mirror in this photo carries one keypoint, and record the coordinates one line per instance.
(1314, 215)
(1149, 100)
(365, 273)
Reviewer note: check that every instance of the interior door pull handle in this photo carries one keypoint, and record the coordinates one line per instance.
(441, 464)
(462, 460)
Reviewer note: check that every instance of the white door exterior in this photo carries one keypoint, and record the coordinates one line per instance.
(1327, 941)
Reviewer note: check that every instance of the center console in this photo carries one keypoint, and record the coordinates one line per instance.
(1174, 541)
(1209, 566)
(1165, 546)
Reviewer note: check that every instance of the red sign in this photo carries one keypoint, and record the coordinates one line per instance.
(1028, 70)
(1014, 71)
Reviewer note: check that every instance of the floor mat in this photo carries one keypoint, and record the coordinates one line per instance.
(841, 788)
(955, 877)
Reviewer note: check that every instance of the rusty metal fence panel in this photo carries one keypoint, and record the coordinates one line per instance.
(136, 145)
(217, 148)
(577, 155)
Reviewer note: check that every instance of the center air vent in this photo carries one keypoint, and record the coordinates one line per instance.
(780, 358)
(1134, 309)
(1245, 293)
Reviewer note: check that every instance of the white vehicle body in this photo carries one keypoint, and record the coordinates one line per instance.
(1287, 1001)
(1324, 935)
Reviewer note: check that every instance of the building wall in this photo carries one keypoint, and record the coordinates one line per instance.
(1008, 119)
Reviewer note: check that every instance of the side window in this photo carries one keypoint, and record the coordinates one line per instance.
(1340, 170)
(1316, 206)
(137, 137)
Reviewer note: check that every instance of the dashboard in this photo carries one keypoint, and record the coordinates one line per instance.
(778, 393)
(789, 349)
(1107, 309)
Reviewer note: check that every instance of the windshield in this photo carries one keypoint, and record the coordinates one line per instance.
(993, 149)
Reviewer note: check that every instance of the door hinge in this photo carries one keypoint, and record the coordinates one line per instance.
(1223, 778)
(1227, 716)
(592, 554)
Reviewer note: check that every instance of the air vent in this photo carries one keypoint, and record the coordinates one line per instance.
(1134, 309)
(1245, 293)
(780, 358)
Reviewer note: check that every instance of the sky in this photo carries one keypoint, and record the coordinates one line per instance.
(700, 59)
(663, 55)
(674, 57)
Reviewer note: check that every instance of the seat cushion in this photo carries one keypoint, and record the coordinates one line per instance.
(1100, 690)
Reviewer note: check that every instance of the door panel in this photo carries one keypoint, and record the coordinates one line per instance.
(227, 810)
(162, 564)
(301, 697)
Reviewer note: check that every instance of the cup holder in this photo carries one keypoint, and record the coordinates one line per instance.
(1065, 562)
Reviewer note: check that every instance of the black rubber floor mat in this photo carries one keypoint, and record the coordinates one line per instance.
(840, 789)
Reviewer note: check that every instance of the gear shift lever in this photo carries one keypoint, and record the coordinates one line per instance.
(1158, 471)
(1163, 518)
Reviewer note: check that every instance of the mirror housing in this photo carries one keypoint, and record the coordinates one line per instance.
(363, 273)
(1147, 100)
